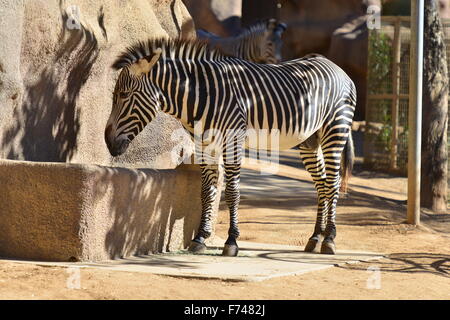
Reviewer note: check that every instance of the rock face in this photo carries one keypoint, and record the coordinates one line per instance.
(56, 82)
(217, 16)
(444, 9)
(348, 49)
(56, 85)
(311, 27)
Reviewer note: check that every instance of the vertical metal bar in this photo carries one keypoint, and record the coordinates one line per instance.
(415, 111)
(396, 94)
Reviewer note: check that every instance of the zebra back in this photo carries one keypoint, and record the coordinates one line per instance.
(260, 43)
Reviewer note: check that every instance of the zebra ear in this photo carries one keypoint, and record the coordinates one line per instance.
(280, 28)
(144, 65)
(271, 24)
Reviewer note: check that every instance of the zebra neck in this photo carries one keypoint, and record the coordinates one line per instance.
(189, 88)
(242, 46)
(196, 89)
(247, 48)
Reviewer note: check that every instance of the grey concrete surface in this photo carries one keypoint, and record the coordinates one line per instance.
(255, 262)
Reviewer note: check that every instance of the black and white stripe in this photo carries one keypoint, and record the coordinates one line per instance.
(260, 42)
(309, 102)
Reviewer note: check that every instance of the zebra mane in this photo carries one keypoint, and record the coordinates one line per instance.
(257, 27)
(260, 27)
(174, 48)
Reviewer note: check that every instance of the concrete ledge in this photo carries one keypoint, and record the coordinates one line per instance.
(71, 212)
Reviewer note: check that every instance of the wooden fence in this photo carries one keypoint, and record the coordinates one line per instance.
(386, 130)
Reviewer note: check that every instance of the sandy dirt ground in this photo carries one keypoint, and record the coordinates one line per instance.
(275, 210)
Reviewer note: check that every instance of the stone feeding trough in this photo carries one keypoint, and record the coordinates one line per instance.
(75, 212)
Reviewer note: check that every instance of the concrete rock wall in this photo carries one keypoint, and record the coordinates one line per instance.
(56, 88)
(56, 82)
(63, 212)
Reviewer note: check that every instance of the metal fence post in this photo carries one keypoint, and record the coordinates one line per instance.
(415, 111)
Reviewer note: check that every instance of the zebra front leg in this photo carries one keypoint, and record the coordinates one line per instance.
(232, 197)
(209, 176)
(314, 164)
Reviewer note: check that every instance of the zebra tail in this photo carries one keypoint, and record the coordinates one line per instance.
(348, 156)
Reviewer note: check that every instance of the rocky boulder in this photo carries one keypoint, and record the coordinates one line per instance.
(56, 81)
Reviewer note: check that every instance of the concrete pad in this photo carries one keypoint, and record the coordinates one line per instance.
(255, 262)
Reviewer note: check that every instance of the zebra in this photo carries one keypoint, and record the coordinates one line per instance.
(309, 101)
(260, 42)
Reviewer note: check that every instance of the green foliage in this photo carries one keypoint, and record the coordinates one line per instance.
(379, 113)
(383, 139)
(380, 61)
(380, 64)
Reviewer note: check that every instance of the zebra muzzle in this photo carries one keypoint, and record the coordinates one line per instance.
(119, 147)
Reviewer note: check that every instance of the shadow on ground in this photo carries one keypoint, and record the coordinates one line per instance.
(281, 192)
(410, 263)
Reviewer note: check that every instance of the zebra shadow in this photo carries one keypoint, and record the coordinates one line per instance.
(47, 122)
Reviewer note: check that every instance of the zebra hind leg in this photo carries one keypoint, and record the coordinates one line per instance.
(333, 153)
(314, 164)
(328, 245)
(332, 185)
(209, 176)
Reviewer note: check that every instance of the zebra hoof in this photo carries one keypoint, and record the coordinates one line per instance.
(328, 247)
(230, 250)
(197, 247)
(313, 245)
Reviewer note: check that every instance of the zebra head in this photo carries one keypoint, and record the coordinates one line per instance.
(136, 99)
(270, 43)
